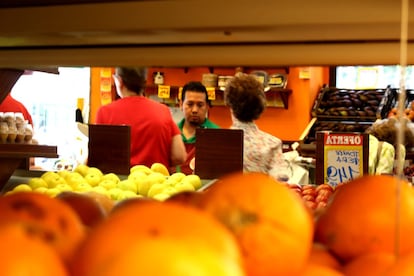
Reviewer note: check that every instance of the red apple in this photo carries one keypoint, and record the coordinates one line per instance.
(321, 204)
(324, 187)
(308, 198)
(309, 191)
(308, 186)
(311, 204)
(322, 198)
(325, 192)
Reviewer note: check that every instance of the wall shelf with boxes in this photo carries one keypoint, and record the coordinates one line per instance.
(169, 97)
(215, 79)
(275, 97)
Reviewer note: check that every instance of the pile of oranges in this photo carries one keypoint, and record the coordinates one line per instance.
(243, 225)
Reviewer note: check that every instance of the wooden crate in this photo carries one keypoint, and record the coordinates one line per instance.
(353, 105)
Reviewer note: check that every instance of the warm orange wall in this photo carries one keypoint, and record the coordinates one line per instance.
(287, 124)
(95, 97)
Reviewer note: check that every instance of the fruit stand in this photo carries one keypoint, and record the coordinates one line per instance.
(92, 217)
(346, 110)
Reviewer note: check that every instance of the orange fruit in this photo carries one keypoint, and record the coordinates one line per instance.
(320, 270)
(272, 225)
(47, 218)
(105, 201)
(187, 197)
(181, 259)
(404, 266)
(138, 221)
(375, 264)
(320, 255)
(90, 212)
(23, 254)
(130, 201)
(361, 218)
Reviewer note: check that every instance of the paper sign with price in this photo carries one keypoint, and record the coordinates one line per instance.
(211, 92)
(344, 157)
(163, 91)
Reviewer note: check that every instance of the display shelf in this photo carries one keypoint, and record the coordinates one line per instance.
(278, 97)
(353, 104)
(151, 91)
(12, 155)
(275, 96)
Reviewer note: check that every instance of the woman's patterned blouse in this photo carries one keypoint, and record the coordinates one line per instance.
(262, 151)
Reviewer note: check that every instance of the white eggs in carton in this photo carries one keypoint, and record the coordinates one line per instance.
(14, 128)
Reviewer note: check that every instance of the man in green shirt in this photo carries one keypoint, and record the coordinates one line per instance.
(194, 104)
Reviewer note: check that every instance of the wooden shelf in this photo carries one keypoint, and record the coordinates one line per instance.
(12, 155)
(151, 91)
(276, 97)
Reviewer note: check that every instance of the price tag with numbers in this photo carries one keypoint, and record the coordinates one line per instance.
(163, 91)
(341, 157)
(211, 92)
(180, 92)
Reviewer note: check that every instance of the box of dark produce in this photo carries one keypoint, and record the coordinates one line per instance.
(335, 126)
(353, 104)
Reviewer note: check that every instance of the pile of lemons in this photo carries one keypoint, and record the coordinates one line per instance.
(153, 182)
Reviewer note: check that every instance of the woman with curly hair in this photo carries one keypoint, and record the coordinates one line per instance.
(245, 96)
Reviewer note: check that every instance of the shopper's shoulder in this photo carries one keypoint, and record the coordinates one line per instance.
(154, 103)
(270, 137)
(108, 106)
(386, 145)
(210, 124)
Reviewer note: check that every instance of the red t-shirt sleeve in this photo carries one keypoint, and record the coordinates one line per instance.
(100, 116)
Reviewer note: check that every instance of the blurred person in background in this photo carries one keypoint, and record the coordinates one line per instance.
(383, 142)
(155, 136)
(10, 104)
(244, 94)
(194, 104)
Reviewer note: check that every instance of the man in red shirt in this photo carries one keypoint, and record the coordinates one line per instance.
(10, 104)
(154, 135)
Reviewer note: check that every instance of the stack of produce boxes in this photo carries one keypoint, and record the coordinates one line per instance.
(346, 110)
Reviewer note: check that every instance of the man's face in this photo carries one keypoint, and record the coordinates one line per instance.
(195, 107)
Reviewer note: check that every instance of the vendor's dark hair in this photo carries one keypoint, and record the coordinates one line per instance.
(134, 78)
(244, 94)
(195, 86)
